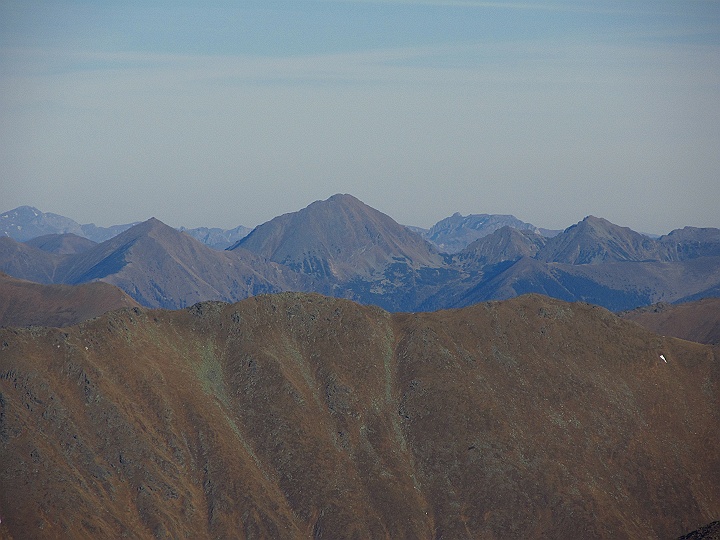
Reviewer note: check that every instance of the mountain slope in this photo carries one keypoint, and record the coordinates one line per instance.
(695, 321)
(504, 244)
(24, 261)
(61, 244)
(24, 303)
(596, 240)
(339, 239)
(690, 243)
(617, 286)
(294, 416)
(161, 267)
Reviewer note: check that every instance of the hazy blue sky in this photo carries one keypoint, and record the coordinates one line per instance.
(229, 113)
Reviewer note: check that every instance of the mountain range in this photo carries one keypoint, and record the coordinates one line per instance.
(344, 248)
(298, 415)
(455, 233)
(449, 235)
(26, 223)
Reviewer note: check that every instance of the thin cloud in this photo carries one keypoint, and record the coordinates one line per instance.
(571, 7)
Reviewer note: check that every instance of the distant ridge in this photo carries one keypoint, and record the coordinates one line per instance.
(217, 238)
(596, 240)
(26, 222)
(504, 244)
(455, 233)
(61, 244)
(24, 303)
(344, 248)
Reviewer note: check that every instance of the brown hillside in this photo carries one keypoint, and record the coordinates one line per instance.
(695, 321)
(24, 303)
(296, 416)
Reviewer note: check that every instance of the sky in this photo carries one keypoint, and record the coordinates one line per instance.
(226, 113)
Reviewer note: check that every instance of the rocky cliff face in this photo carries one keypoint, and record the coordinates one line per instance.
(289, 416)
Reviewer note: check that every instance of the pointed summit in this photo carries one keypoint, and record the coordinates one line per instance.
(162, 267)
(505, 244)
(338, 238)
(596, 240)
(455, 233)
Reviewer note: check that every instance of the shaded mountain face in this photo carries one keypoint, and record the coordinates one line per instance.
(694, 321)
(24, 303)
(27, 262)
(289, 416)
(339, 239)
(455, 233)
(61, 244)
(711, 531)
(616, 286)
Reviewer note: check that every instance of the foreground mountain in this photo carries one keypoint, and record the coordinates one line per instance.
(24, 303)
(295, 416)
(695, 321)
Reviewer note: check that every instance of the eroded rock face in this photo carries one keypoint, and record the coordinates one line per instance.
(711, 531)
(290, 416)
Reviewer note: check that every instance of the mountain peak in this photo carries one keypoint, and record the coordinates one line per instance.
(22, 211)
(338, 238)
(455, 233)
(596, 240)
